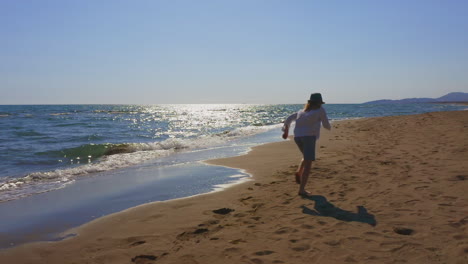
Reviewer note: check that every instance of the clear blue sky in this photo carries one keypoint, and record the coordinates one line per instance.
(230, 51)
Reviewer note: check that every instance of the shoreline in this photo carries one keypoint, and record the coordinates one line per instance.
(269, 223)
(53, 213)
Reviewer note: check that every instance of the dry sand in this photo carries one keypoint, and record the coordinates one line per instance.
(386, 190)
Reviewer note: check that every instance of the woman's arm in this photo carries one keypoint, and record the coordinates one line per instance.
(325, 122)
(287, 123)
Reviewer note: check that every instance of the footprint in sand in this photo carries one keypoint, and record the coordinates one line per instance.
(195, 233)
(256, 261)
(143, 259)
(237, 241)
(276, 182)
(332, 243)
(459, 178)
(285, 230)
(134, 244)
(223, 211)
(301, 247)
(306, 226)
(403, 231)
(412, 202)
(244, 200)
(264, 253)
(459, 223)
(420, 188)
(200, 231)
(445, 204)
(255, 207)
(450, 198)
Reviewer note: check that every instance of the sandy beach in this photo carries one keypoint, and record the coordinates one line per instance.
(385, 190)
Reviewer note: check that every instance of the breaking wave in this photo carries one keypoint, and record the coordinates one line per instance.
(95, 158)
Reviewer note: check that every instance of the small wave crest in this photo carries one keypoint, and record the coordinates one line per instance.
(249, 131)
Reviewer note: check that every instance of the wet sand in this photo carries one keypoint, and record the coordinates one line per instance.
(385, 190)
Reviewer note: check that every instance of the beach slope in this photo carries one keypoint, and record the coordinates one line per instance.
(385, 190)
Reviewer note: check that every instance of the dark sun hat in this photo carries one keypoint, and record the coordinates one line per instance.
(316, 97)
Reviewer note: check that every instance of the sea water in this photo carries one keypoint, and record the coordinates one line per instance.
(64, 165)
(47, 147)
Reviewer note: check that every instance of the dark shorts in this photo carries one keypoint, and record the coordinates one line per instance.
(307, 146)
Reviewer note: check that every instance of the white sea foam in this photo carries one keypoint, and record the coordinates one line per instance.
(240, 179)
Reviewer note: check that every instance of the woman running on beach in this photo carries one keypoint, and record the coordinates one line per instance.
(306, 133)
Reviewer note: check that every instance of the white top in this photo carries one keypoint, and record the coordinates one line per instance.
(308, 123)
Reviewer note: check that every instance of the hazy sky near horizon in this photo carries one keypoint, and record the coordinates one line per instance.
(242, 51)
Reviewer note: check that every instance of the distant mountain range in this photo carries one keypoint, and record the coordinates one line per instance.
(451, 97)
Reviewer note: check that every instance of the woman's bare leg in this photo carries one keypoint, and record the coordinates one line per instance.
(305, 177)
(299, 172)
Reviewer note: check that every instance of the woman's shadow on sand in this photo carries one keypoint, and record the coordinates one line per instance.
(324, 208)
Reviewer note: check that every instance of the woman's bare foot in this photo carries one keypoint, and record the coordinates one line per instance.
(304, 193)
(298, 177)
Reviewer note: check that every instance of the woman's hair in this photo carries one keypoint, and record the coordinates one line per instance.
(312, 106)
